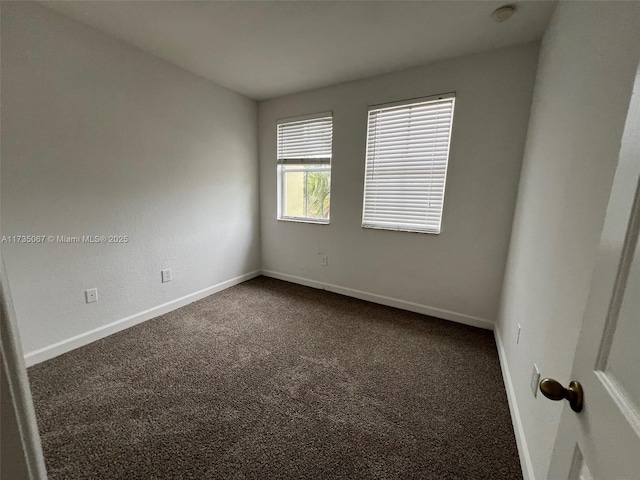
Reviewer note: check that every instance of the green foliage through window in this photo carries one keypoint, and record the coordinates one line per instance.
(317, 194)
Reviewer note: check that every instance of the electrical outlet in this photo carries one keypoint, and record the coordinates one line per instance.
(518, 336)
(91, 295)
(324, 260)
(535, 380)
(166, 275)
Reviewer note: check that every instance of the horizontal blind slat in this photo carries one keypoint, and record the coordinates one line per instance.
(432, 214)
(436, 110)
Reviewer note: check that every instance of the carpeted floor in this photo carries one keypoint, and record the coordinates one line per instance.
(271, 380)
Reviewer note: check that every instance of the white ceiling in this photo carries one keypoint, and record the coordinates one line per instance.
(264, 49)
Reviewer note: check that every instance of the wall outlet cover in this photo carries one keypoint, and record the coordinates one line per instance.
(166, 275)
(91, 295)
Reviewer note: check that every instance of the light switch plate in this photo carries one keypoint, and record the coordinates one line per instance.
(535, 380)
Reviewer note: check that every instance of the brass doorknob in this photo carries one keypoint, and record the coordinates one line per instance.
(553, 390)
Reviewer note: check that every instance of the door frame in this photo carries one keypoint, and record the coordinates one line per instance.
(18, 381)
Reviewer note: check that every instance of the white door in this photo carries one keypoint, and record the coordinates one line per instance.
(602, 441)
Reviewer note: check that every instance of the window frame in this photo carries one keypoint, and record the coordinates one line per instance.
(293, 165)
(395, 104)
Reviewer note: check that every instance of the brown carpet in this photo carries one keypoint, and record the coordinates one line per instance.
(271, 380)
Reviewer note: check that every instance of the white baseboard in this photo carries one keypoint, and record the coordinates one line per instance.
(382, 300)
(521, 441)
(85, 338)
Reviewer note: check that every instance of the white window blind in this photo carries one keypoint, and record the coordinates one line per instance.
(406, 164)
(304, 168)
(305, 141)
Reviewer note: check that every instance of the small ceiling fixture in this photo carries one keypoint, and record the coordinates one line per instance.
(503, 13)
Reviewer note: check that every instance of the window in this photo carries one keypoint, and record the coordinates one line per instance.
(406, 164)
(304, 169)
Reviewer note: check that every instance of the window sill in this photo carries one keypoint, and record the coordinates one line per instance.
(303, 220)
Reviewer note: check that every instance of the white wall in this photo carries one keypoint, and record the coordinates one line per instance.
(99, 138)
(461, 269)
(585, 77)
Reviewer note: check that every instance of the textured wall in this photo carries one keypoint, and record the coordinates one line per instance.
(459, 270)
(99, 138)
(588, 61)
